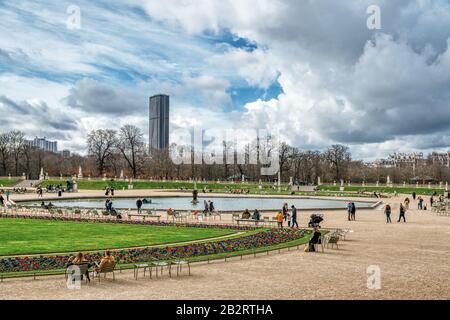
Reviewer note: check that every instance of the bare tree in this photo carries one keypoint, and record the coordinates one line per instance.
(17, 140)
(4, 151)
(285, 153)
(101, 145)
(338, 156)
(131, 146)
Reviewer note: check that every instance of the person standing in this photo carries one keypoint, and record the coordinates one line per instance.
(285, 211)
(2, 200)
(280, 219)
(294, 217)
(387, 212)
(139, 204)
(107, 204)
(288, 218)
(420, 205)
(7, 195)
(407, 203)
(349, 211)
(402, 213)
(414, 196)
(353, 211)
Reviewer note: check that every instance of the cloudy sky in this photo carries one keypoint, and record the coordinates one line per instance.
(311, 70)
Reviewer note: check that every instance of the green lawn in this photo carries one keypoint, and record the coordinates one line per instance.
(19, 236)
(7, 183)
(101, 185)
(384, 189)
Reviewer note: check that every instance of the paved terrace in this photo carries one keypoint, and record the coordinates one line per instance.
(413, 258)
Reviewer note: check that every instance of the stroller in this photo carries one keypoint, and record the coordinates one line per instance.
(315, 220)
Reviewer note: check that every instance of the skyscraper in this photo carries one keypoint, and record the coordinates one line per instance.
(43, 143)
(159, 122)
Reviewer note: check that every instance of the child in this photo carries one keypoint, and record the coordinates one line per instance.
(288, 218)
(280, 219)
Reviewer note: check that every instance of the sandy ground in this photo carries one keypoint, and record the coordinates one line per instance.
(413, 259)
(32, 196)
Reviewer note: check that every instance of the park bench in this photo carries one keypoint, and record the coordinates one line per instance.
(107, 268)
(332, 239)
(320, 243)
(235, 216)
(143, 216)
(83, 269)
(256, 222)
(215, 214)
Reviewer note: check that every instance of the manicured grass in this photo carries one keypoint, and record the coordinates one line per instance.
(118, 185)
(19, 236)
(7, 183)
(384, 189)
(282, 246)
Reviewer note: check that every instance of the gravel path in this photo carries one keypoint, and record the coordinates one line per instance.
(413, 259)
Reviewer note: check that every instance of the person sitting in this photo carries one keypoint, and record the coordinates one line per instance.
(106, 261)
(314, 240)
(246, 214)
(256, 215)
(79, 259)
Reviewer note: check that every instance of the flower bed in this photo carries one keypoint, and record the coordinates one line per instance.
(127, 256)
(132, 222)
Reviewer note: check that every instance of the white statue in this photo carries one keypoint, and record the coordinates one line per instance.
(80, 173)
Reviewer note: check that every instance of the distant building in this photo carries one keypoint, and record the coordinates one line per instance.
(65, 153)
(43, 144)
(159, 122)
(440, 158)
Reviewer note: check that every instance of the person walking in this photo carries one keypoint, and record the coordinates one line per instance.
(7, 195)
(387, 212)
(402, 213)
(294, 217)
(139, 204)
(353, 211)
(414, 196)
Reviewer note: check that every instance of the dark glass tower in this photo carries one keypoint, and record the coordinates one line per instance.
(159, 122)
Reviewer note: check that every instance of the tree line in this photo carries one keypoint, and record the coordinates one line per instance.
(109, 152)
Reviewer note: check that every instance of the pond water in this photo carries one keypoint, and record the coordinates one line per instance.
(220, 203)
